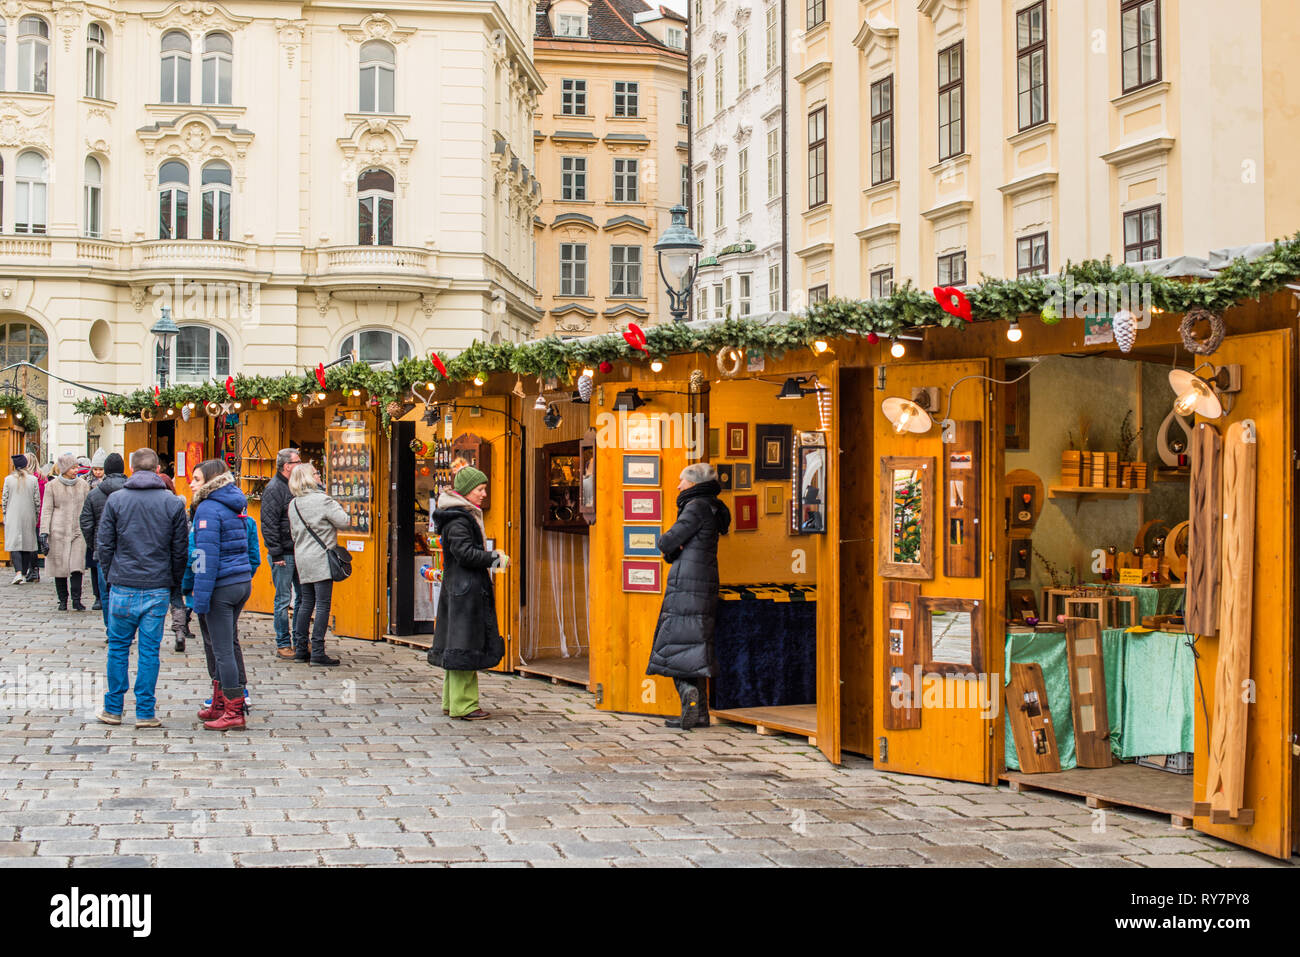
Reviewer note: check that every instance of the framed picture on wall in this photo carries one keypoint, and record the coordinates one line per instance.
(746, 513)
(743, 475)
(641, 576)
(642, 432)
(726, 478)
(775, 500)
(643, 506)
(737, 440)
(641, 541)
(640, 470)
(772, 445)
(715, 446)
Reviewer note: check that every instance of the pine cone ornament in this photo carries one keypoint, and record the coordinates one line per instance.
(185, 412)
(1125, 326)
(586, 385)
(696, 380)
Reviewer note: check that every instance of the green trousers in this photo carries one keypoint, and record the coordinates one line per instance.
(460, 693)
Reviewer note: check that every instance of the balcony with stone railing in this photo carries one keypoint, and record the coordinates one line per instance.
(192, 254)
(389, 260)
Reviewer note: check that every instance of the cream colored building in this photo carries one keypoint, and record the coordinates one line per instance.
(296, 179)
(989, 136)
(612, 145)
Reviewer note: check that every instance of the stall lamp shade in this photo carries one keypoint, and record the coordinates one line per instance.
(1195, 395)
(905, 415)
(1014, 332)
(675, 263)
(897, 349)
(793, 388)
(553, 418)
(628, 400)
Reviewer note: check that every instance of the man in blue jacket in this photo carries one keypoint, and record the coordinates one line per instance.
(142, 545)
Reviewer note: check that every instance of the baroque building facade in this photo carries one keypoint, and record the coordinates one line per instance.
(294, 180)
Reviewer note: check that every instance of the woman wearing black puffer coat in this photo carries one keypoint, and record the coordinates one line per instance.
(683, 643)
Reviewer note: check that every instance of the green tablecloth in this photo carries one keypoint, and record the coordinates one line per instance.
(1153, 600)
(1149, 691)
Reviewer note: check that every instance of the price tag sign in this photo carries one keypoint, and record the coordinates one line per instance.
(1130, 576)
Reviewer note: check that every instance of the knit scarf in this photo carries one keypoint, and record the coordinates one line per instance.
(453, 499)
(69, 481)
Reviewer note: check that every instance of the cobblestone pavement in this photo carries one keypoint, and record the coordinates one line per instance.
(357, 765)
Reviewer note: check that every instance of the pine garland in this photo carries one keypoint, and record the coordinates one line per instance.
(19, 411)
(908, 308)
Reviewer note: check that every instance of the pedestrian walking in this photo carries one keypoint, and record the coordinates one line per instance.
(278, 539)
(314, 521)
(465, 638)
(33, 465)
(65, 549)
(21, 504)
(220, 579)
(141, 545)
(91, 513)
(683, 641)
(95, 477)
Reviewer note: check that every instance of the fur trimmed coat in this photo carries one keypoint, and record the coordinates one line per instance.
(61, 520)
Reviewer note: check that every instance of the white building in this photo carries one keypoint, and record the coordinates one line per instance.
(739, 208)
(295, 179)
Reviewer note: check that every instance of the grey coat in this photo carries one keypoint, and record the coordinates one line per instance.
(61, 520)
(324, 516)
(21, 506)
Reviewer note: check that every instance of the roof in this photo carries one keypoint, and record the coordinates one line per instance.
(608, 21)
(1198, 267)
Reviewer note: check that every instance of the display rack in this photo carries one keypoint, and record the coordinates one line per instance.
(349, 472)
(256, 467)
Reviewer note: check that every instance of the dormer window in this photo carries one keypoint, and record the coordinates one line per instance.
(676, 38)
(570, 25)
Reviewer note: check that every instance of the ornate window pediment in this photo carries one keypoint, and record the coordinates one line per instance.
(377, 26)
(196, 18)
(948, 16)
(196, 138)
(377, 141)
(877, 39)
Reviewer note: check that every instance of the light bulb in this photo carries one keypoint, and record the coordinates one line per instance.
(430, 386)
(320, 396)
(192, 404)
(656, 365)
(1014, 332)
(897, 349)
(356, 392)
(239, 405)
(904, 417)
(820, 345)
(171, 411)
(1187, 402)
(479, 380)
(588, 372)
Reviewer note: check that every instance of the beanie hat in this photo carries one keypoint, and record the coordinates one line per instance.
(98, 461)
(20, 461)
(113, 464)
(468, 479)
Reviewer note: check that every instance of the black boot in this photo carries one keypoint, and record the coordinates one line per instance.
(61, 591)
(75, 581)
(690, 695)
(180, 640)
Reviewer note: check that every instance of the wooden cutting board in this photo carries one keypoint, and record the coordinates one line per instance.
(1202, 599)
(1031, 720)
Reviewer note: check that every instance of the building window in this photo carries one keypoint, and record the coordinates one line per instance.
(746, 281)
(1140, 42)
(33, 55)
(726, 297)
(882, 283)
(573, 269)
(699, 204)
(1031, 65)
(771, 27)
(774, 288)
(676, 38)
(24, 342)
(686, 186)
(952, 269)
(96, 60)
(173, 200)
(216, 201)
(773, 163)
(573, 97)
(570, 25)
(743, 181)
(719, 84)
(1031, 255)
(719, 196)
(218, 50)
(882, 131)
(818, 294)
(375, 208)
(816, 12)
(175, 67)
(374, 346)
(625, 271)
(199, 354)
(952, 128)
(378, 76)
(625, 181)
(32, 183)
(93, 198)
(719, 309)
(573, 179)
(699, 96)
(1142, 234)
(742, 61)
(816, 157)
(686, 107)
(625, 98)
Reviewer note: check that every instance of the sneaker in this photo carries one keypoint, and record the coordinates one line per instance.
(146, 723)
(107, 717)
(19, 578)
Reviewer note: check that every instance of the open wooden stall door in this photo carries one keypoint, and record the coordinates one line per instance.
(1266, 696)
(828, 577)
(938, 673)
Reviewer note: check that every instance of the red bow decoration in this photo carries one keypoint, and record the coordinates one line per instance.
(156, 393)
(320, 375)
(635, 337)
(230, 386)
(104, 399)
(953, 300)
(437, 364)
(606, 366)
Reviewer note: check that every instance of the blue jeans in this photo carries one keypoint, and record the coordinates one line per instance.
(285, 579)
(134, 609)
(103, 593)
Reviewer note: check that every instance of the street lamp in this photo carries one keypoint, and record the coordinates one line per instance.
(165, 331)
(678, 248)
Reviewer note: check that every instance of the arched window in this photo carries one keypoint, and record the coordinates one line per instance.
(33, 55)
(175, 67)
(31, 183)
(94, 198)
(96, 60)
(216, 201)
(218, 53)
(378, 69)
(375, 208)
(4, 45)
(22, 341)
(200, 353)
(174, 200)
(376, 345)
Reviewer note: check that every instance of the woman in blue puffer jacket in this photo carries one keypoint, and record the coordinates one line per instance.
(223, 580)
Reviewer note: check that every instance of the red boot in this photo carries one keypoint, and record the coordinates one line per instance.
(218, 706)
(233, 717)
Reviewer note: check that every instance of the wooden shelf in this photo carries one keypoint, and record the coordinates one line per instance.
(1173, 475)
(1070, 491)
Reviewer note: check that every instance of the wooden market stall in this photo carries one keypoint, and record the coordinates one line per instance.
(12, 442)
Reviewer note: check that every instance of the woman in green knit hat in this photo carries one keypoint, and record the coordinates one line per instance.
(465, 639)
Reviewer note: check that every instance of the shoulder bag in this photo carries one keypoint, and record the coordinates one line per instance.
(339, 559)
